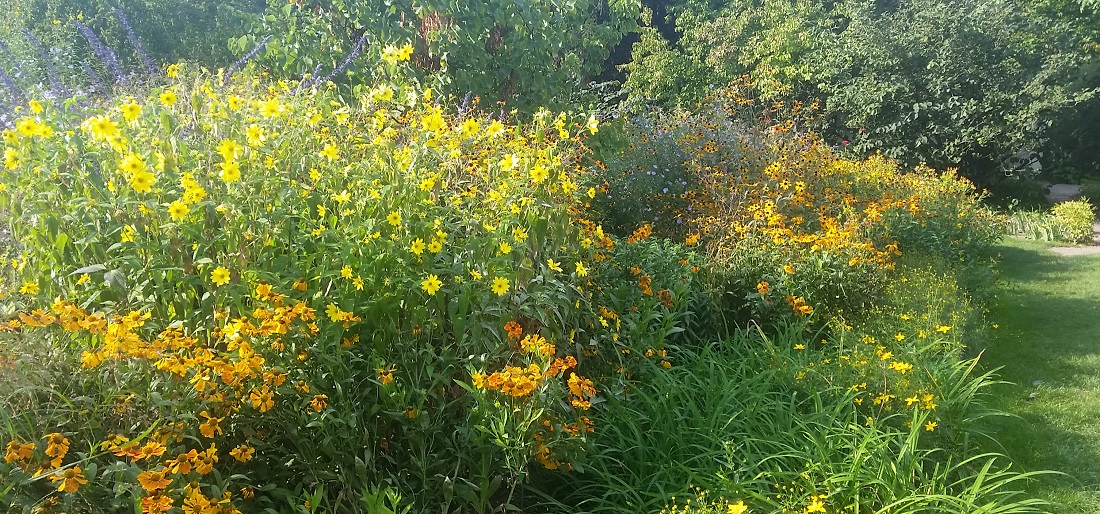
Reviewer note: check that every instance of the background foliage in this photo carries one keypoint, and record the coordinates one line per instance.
(995, 88)
(526, 53)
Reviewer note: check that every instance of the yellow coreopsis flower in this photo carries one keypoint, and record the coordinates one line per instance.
(468, 128)
(593, 124)
(554, 266)
(178, 210)
(581, 270)
(71, 479)
(271, 108)
(417, 247)
(220, 276)
(432, 122)
(263, 399)
(143, 181)
(210, 427)
(151, 480)
(132, 164)
(431, 285)
(394, 219)
(11, 158)
(231, 172)
(255, 135)
(130, 111)
(242, 453)
(390, 54)
(500, 286)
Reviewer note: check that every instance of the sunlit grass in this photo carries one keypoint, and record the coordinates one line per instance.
(1048, 341)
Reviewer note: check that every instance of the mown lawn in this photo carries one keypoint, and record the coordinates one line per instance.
(1048, 341)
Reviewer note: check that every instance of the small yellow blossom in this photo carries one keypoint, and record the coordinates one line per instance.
(500, 286)
(220, 276)
(431, 285)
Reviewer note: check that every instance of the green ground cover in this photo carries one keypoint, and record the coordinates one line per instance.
(1046, 339)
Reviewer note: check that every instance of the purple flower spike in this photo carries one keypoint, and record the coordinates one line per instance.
(347, 62)
(244, 60)
(56, 85)
(145, 60)
(15, 96)
(105, 54)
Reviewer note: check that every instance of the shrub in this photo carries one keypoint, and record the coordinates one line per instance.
(529, 54)
(168, 30)
(316, 303)
(790, 226)
(1069, 222)
(1075, 219)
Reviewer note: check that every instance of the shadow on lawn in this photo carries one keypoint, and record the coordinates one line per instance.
(1048, 347)
(1041, 263)
(1034, 442)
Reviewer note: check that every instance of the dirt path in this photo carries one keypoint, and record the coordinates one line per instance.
(1082, 250)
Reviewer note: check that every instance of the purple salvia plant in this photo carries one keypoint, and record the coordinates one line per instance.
(465, 103)
(104, 53)
(244, 60)
(140, 50)
(15, 96)
(14, 62)
(307, 80)
(97, 82)
(56, 85)
(347, 62)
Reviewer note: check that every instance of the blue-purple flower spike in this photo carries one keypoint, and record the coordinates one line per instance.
(105, 54)
(307, 80)
(56, 85)
(465, 103)
(15, 96)
(97, 82)
(14, 62)
(145, 60)
(347, 62)
(244, 60)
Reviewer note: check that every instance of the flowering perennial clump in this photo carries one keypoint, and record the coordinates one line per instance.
(246, 252)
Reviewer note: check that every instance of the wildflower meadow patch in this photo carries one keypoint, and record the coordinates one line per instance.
(230, 293)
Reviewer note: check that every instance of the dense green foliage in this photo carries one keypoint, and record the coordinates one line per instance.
(168, 30)
(993, 87)
(529, 53)
(337, 277)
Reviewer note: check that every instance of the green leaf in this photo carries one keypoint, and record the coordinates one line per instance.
(94, 268)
